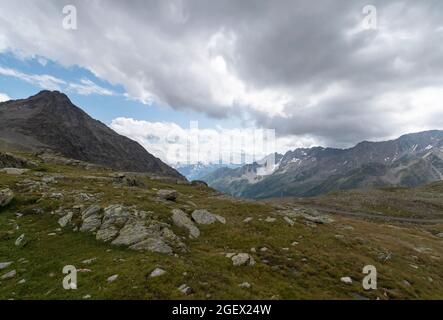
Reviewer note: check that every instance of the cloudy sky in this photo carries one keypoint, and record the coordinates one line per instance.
(313, 71)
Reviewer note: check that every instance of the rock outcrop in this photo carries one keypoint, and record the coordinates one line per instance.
(124, 226)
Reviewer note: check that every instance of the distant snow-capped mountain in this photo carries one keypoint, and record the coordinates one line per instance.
(199, 170)
(411, 160)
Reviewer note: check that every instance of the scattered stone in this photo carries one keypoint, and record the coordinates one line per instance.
(253, 250)
(88, 296)
(242, 259)
(247, 220)
(9, 275)
(56, 195)
(63, 221)
(289, 221)
(440, 235)
(346, 280)
(48, 179)
(269, 219)
(22, 281)
(6, 196)
(84, 270)
(157, 273)
(21, 241)
(295, 243)
(14, 171)
(264, 249)
(112, 278)
(89, 261)
(170, 195)
(229, 255)
(385, 256)
(185, 289)
(180, 219)
(4, 265)
(245, 285)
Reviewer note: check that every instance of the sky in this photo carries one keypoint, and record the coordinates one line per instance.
(329, 73)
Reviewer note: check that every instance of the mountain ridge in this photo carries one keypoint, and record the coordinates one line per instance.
(411, 160)
(50, 121)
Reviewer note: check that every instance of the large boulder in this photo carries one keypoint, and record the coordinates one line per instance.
(181, 220)
(14, 171)
(205, 217)
(242, 259)
(170, 195)
(6, 196)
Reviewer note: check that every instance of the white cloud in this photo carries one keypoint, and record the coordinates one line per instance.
(4, 97)
(87, 87)
(45, 81)
(269, 62)
(174, 144)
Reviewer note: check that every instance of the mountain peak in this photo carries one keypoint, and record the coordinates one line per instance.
(49, 120)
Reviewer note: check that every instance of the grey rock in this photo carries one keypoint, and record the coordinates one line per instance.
(248, 219)
(440, 235)
(346, 280)
(92, 210)
(89, 261)
(14, 171)
(4, 265)
(91, 219)
(152, 245)
(114, 218)
(185, 289)
(107, 234)
(63, 221)
(245, 285)
(48, 179)
(20, 241)
(170, 195)
(6, 196)
(180, 219)
(269, 219)
(132, 232)
(157, 273)
(112, 278)
(9, 275)
(203, 217)
(289, 221)
(242, 259)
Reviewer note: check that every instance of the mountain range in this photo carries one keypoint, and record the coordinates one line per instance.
(411, 160)
(49, 121)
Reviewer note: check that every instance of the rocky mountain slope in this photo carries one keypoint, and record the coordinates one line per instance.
(49, 121)
(130, 236)
(412, 160)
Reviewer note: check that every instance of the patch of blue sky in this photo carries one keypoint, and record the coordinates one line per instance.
(100, 106)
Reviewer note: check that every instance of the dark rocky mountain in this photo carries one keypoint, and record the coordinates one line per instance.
(411, 160)
(49, 121)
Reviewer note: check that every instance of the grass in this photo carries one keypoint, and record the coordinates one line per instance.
(310, 269)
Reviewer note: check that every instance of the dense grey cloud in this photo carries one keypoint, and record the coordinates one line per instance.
(306, 68)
